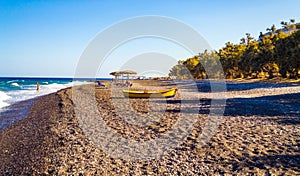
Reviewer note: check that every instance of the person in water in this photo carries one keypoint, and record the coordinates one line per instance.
(37, 86)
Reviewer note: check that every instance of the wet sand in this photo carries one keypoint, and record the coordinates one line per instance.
(258, 134)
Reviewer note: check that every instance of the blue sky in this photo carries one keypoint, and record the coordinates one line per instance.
(47, 38)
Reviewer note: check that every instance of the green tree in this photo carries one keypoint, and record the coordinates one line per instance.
(266, 62)
(287, 52)
(248, 62)
(180, 71)
(275, 53)
(208, 67)
(230, 56)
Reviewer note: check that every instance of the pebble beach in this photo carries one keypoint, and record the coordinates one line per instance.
(258, 134)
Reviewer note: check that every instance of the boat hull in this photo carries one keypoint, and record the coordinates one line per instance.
(150, 94)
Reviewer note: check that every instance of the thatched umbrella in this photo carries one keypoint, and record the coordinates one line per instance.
(127, 72)
(116, 74)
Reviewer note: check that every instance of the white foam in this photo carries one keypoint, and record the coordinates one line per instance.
(29, 91)
(3, 98)
(11, 81)
(15, 84)
(28, 87)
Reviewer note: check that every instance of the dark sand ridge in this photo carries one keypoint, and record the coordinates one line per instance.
(259, 135)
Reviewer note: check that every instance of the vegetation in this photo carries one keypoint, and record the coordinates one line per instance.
(276, 53)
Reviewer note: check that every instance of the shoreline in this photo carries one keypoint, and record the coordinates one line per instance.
(15, 111)
(256, 136)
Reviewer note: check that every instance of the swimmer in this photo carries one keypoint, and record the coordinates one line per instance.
(37, 87)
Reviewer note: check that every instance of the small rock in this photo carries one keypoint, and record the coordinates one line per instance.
(72, 131)
(52, 170)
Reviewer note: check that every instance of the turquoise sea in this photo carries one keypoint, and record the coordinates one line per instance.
(17, 94)
(13, 90)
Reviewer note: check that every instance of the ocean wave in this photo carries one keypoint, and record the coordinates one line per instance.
(26, 92)
(15, 84)
(3, 98)
(11, 81)
(28, 87)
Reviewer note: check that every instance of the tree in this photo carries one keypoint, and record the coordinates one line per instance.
(287, 51)
(248, 63)
(230, 56)
(209, 65)
(180, 71)
(266, 61)
(275, 53)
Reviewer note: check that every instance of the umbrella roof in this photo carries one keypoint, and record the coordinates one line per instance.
(130, 72)
(118, 73)
(115, 73)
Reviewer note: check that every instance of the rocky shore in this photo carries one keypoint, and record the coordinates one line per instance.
(258, 134)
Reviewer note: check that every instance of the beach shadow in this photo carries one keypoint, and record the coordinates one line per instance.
(200, 106)
(205, 86)
(289, 162)
(285, 120)
(284, 108)
(277, 105)
(288, 121)
(233, 86)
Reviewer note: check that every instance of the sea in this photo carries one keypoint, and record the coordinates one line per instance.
(17, 94)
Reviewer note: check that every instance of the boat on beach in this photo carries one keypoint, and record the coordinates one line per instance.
(169, 93)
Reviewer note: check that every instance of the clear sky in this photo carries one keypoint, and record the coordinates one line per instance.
(47, 38)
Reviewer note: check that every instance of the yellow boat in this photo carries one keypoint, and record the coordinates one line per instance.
(150, 94)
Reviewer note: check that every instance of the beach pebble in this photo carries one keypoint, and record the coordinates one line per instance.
(251, 138)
